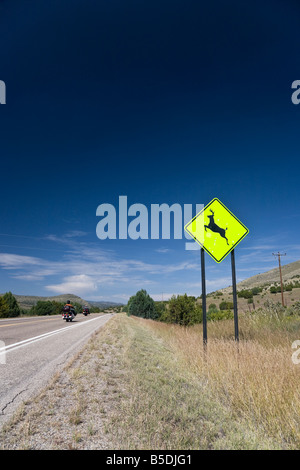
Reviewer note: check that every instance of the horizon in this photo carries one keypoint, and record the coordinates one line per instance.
(161, 102)
(163, 299)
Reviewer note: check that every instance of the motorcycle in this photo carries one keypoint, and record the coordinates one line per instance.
(86, 312)
(68, 314)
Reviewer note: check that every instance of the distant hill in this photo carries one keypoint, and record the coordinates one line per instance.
(28, 301)
(103, 302)
(289, 272)
(290, 275)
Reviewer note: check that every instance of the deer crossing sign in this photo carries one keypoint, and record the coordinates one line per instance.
(216, 230)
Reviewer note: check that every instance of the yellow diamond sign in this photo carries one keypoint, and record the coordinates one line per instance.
(217, 230)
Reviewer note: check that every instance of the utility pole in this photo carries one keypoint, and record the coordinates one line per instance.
(279, 255)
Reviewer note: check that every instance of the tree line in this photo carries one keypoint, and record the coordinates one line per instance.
(9, 307)
(182, 309)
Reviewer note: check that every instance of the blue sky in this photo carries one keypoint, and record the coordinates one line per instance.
(164, 102)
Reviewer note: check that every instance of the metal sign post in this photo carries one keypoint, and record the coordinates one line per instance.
(235, 308)
(204, 319)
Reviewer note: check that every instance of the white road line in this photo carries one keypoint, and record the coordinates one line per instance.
(25, 342)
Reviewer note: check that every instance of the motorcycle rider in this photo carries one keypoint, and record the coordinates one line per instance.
(71, 308)
(86, 310)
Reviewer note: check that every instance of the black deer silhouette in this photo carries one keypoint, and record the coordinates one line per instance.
(214, 227)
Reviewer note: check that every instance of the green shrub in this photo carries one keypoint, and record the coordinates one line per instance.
(212, 308)
(46, 307)
(221, 315)
(182, 310)
(256, 290)
(160, 308)
(246, 294)
(141, 305)
(14, 309)
(4, 308)
(226, 305)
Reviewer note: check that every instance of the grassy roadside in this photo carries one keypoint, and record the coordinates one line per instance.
(169, 406)
(258, 381)
(140, 384)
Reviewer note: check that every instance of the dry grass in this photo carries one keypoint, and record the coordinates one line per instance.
(257, 380)
(171, 402)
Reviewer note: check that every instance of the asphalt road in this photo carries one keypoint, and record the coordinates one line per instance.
(33, 349)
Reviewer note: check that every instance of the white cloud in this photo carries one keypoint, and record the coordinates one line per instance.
(85, 269)
(75, 234)
(12, 261)
(219, 283)
(79, 284)
(69, 238)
